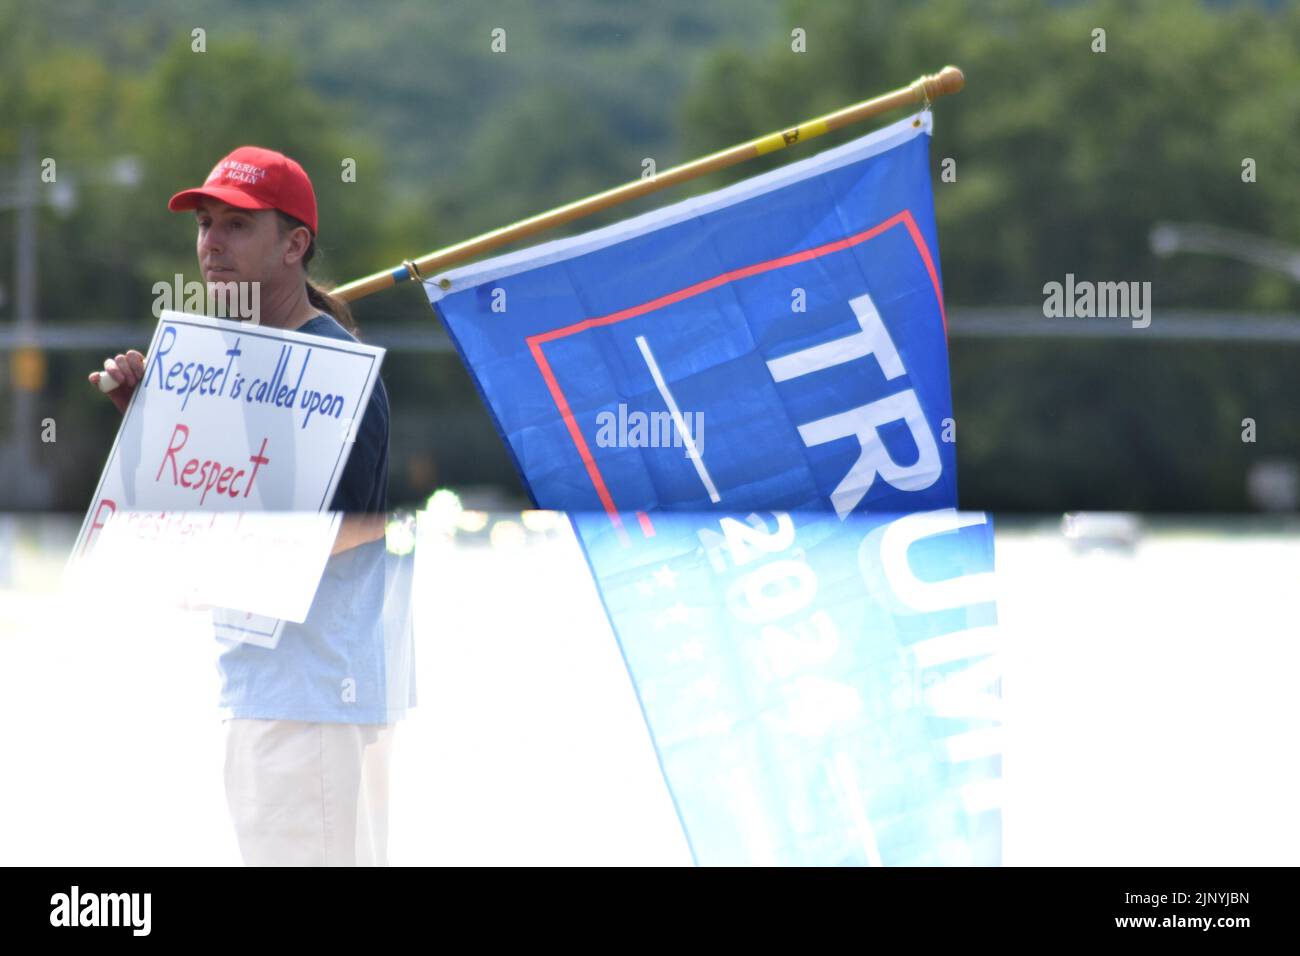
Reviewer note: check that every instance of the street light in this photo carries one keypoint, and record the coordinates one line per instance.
(1170, 238)
(1273, 485)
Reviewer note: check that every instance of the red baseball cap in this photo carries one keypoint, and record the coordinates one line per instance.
(255, 178)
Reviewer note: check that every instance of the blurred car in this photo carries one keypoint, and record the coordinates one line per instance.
(1088, 531)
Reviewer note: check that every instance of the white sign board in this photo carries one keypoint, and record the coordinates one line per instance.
(232, 417)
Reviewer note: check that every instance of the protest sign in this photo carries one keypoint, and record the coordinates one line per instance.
(232, 417)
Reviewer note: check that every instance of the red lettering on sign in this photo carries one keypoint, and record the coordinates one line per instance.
(207, 474)
(258, 460)
(95, 523)
(171, 453)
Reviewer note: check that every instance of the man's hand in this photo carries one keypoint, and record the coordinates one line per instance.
(127, 370)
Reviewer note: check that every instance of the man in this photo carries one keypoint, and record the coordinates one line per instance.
(309, 723)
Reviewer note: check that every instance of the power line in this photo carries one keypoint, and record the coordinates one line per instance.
(1020, 322)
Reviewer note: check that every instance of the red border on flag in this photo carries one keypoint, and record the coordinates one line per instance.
(535, 342)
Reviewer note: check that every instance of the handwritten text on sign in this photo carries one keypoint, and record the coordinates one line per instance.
(234, 417)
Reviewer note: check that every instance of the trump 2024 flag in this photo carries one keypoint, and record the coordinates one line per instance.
(743, 400)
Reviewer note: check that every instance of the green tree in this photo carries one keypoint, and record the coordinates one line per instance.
(1065, 159)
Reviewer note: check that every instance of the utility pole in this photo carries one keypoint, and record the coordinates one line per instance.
(23, 476)
(25, 482)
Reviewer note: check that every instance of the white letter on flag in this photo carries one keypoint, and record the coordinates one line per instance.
(862, 422)
(874, 460)
(872, 340)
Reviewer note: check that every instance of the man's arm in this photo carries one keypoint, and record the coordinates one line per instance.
(357, 530)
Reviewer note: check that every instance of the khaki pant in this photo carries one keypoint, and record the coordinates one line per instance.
(308, 794)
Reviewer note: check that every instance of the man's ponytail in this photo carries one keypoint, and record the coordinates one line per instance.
(332, 304)
(319, 296)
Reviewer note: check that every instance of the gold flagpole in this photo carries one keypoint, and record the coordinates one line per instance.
(921, 91)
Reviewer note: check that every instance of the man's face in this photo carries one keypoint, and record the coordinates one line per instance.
(239, 245)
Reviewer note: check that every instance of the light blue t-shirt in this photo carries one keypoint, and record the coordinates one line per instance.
(352, 659)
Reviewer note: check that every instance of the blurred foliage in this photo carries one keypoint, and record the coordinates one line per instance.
(1065, 158)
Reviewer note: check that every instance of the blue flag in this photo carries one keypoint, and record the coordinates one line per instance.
(738, 397)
